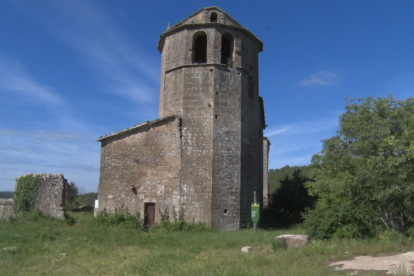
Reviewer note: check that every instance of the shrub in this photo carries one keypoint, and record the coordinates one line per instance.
(179, 224)
(339, 218)
(70, 220)
(121, 217)
(133, 222)
(26, 193)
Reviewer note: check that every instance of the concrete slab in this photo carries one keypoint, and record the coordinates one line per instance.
(390, 264)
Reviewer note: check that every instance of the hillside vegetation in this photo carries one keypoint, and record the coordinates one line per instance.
(6, 194)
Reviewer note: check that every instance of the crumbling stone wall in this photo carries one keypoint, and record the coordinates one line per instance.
(141, 165)
(51, 195)
(6, 208)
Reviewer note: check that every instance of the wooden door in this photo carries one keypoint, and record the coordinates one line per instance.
(149, 214)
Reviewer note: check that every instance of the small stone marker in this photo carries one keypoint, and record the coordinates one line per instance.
(247, 249)
(294, 241)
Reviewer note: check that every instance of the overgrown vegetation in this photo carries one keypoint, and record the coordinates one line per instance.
(179, 224)
(26, 192)
(74, 199)
(276, 176)
(71, 197)
(37, 245)
(289, 197)
(87, 198)
(6, 194)
(364, 176)
(121, 217)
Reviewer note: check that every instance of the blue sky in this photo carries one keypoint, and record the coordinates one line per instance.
(71, 71)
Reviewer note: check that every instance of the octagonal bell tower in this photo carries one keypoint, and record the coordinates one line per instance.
(210, 78)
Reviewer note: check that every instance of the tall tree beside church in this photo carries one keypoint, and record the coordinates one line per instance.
(370, 163)
(71, 196)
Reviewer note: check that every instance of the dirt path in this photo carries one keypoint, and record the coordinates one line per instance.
(391, 264)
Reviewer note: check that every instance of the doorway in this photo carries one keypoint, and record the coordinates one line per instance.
(149, 214)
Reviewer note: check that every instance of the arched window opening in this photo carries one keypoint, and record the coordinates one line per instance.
(227, 50)
(213, 17)
(200, 48)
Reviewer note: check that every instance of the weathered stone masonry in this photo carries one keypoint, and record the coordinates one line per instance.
(142, 165)
(50, 197)
(207, 157)
(6, 208)
(266, 149)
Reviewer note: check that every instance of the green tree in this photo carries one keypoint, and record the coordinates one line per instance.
(289, 197)
(71, 196)
(276, 176)
(371, 160)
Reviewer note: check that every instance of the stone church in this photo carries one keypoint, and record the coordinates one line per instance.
(206, 153)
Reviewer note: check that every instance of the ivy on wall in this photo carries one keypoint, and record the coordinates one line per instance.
(26, 192)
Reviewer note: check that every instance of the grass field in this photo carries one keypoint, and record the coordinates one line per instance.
(41, 246)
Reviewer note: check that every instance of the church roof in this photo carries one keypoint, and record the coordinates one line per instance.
(135, 128)
(194, 19)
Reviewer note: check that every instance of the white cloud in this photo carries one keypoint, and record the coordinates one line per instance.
(296, 143)
(118, 63)
(277, 131)
(321, 78)
(75, 155)
(14, 80)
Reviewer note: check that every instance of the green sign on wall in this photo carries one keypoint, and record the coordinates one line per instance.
(255, 212)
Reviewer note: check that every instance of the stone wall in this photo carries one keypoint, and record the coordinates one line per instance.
(222, 120)
(227, 148)
(141, 165)
(252, 132)
(51, 195)
(266, 149)
(6, 208)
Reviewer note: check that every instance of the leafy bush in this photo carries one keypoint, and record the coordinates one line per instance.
(71, 197)
(179, 224)
(289, 200)
(339, 218)
(26, 193)
(370, 162)
(121, 217)
(392, 237)
(70, 220)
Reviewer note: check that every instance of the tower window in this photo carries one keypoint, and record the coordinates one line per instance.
(251, 87)
(213, 17)
(200, 48)
(227, 50)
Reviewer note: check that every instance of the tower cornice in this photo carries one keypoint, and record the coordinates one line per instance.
(188, 23)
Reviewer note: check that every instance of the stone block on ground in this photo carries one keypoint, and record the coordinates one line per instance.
(247, 249)
(294, 241)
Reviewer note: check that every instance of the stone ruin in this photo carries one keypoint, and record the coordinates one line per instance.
(6, 208)
(50, 197)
